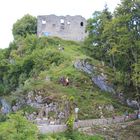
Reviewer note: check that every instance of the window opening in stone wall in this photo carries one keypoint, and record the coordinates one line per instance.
(53, 25)
(68, 22)
(43, 21)
(82, 24)
(62, 21)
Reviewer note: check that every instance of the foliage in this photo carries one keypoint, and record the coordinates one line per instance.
(96, 41)
(17, 127)
(36, 64)
(116, 41)
(25, 25)
(28, 109)
(27, 58)
(70, 136)
(2, 118)
(70, 123)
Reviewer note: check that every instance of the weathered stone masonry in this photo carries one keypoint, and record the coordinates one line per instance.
(66, 27)
(44, 128)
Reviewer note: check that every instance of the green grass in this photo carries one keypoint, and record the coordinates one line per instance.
(70, 136)
(87, 96)
(87, 99)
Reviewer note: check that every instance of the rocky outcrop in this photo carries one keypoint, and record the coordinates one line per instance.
(129, 102)
(83, 65)
(6, 108)
(43, 107)
(98, 79)
(133, 103)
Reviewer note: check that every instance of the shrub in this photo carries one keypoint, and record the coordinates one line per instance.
(18, 128)
(2, 118)
(70, 123)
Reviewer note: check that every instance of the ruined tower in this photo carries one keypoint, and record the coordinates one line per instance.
(66, 27)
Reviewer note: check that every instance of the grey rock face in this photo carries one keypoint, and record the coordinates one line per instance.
(133, 103)
(84, 66)
(6, 108)
(99, 80)
(109, 107)
(15, 108)
(66, 27)
(102, 84)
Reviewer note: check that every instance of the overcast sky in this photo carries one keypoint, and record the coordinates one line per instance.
(11, 10)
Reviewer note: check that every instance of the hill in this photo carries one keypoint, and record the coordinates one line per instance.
(33, 75)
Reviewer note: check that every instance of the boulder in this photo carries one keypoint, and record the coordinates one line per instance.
(6, 108)
(109, 108)
(133, 103)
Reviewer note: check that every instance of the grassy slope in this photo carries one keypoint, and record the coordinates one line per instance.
(70, 136)
(122, 131)
(87, 96)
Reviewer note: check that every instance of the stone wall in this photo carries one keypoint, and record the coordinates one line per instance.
(44, 128)
(66, 27)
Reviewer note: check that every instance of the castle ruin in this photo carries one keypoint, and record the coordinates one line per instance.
(65, 27)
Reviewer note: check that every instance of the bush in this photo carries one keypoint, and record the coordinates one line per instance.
(28, 109)
(70, 136)
(70, 123)
(2, 118)
(18, 128)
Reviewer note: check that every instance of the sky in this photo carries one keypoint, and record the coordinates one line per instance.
(12, 10)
